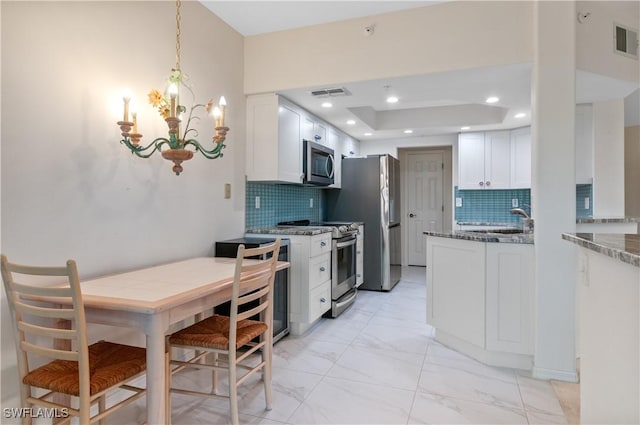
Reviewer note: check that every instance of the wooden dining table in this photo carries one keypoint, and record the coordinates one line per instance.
(155, 299)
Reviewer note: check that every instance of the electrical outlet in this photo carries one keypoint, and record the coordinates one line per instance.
(257, 202)
(227, 190)
(458, 202)
(586, 203)
(514, 203)
(310, 202)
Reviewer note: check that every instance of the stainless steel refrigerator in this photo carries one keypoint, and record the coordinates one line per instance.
(371, 194)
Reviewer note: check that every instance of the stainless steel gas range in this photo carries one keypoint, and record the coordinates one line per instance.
(343, 262)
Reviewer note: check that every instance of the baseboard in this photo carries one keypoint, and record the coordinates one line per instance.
(558, 375)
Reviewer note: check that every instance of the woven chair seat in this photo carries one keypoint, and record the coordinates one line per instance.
(109, 364)
(213, 332)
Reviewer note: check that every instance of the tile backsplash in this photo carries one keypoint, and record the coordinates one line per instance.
(491, 205)
(495, 205)
(281, 202)
(584, 200)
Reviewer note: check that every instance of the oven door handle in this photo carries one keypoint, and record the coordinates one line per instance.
(345, 244)
(351, 298)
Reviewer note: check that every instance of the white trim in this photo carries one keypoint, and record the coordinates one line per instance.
(559, 375)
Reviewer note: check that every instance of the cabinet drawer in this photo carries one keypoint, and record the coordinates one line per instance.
(319, 269)
(319, 300)
(320, 244)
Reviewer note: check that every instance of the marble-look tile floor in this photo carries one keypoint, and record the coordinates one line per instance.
(377, 363)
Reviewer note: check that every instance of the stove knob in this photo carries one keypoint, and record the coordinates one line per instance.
(342, 228)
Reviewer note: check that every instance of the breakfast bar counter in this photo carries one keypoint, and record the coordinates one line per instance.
(609, 323)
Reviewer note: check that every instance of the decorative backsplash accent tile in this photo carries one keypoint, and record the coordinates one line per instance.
(584, 198)
(279, 202)
(491, 205)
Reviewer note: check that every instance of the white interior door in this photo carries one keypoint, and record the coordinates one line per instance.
(425, 204)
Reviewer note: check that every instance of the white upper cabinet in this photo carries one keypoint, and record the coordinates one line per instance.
(521, 158)
(497, 157)
(471, 161)
(584, 144)
(274, 142)
(494, 160)
(276, 129)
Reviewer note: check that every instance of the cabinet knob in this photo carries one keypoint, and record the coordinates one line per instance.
(323, 244)
(488, 183)
(358, 275)
(323, 300)
(358, 252)
(322, 269)
(481, 183)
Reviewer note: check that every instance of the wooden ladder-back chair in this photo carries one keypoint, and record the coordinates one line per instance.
(229, 339)
(49, 321)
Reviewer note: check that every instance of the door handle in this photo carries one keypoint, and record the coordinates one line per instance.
(411, 215)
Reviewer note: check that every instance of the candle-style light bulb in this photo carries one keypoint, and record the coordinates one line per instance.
(217, 116)
(126, 97)
(173, 93)
(223, 104)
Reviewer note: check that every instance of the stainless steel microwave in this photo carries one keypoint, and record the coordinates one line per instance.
(318, 163)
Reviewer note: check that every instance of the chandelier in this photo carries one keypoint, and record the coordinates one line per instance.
(169, 107)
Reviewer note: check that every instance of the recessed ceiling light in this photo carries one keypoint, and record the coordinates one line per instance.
(408, 131)
(520, 115)
(327, 104)
(466, 127)
(492, 99)
(367, 134)
(351, 122)
(392, 99)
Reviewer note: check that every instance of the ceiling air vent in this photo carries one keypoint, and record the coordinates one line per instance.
(335, 91)
(625, 40)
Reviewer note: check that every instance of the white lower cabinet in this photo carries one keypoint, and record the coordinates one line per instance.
(310, 280)
(480, 299)
(510, 295)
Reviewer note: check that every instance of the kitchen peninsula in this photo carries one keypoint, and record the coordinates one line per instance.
(609, 323)
(480, 294)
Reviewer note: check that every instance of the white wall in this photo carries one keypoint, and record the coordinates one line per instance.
(594, 38)
(632, 171)
(446, 36)
(69, 188)
(608, 158)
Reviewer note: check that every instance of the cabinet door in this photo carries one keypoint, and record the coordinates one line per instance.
(510, 297)
(521, 158)
(319, 133)
(306, 129)
(289, 146)
(497, 160)
(455, 288)
(471, 161)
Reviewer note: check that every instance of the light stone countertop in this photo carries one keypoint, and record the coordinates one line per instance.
(623, 247)
(293, 230)
(594, 220)
(521, 238)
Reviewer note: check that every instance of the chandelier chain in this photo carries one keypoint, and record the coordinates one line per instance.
(178, 30)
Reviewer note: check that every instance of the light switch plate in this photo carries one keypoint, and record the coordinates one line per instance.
(514, 203)
(458, 202)
(227, 190)
(257, 202)
(310, 202)
(586, 202)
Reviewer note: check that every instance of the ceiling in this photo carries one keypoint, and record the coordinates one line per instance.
(431, 104)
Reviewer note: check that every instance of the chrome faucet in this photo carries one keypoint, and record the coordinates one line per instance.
(521, 212)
